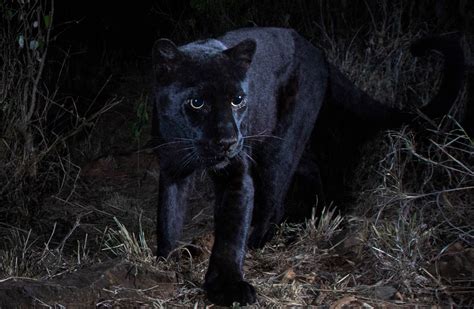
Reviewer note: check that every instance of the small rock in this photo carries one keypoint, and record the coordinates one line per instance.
(385, 292)
(288, 276)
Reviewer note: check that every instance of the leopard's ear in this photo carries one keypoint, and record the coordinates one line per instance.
(242, 53)
(166, 57)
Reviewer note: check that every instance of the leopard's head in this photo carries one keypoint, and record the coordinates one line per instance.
(201, 101)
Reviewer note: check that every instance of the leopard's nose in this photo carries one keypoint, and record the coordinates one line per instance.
(228, 144)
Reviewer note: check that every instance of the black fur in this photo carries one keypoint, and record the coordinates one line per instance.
(247, 107)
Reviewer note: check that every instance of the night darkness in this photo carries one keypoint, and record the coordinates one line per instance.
(389, 224)
(92, 30)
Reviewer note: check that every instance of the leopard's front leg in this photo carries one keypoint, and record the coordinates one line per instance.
(224, 282)
(171, 212)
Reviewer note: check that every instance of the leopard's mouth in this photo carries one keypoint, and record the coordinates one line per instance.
(217, 155)
(220, 159)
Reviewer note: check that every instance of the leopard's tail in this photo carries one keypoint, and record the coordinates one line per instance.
(347, 98)
(349, 116)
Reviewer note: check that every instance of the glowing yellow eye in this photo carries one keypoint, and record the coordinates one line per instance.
(195, 103)
(238, 101)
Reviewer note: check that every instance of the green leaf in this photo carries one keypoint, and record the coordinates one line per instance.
(47, 20)
(142, 113)
(136, 130)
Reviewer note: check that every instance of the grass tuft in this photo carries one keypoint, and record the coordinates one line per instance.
(127, 245)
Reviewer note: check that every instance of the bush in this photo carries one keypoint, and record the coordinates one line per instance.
(35, 161)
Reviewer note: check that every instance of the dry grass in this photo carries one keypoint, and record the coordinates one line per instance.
(127, 245)
(407, 240)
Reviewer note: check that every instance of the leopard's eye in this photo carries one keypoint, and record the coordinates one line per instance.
(238, 102)
(195, 103)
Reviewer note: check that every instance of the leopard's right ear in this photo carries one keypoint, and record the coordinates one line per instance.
(166, 57)
(242, 53)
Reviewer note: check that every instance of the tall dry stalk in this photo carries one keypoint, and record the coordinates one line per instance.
(34, 154)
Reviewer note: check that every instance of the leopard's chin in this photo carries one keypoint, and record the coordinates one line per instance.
(222, 163)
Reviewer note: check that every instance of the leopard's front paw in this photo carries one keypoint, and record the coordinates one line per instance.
(225, 293)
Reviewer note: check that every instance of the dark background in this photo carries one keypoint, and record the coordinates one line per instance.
(124, 29)
(103, 39)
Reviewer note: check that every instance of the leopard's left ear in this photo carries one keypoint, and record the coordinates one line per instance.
(166, 57)
(242, 53)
